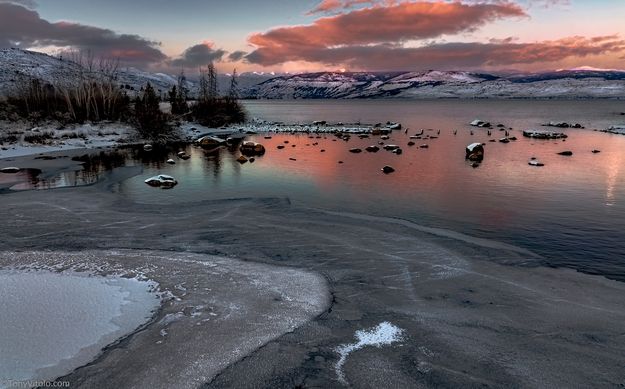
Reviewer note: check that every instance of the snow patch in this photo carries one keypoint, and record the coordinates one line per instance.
(383, 334)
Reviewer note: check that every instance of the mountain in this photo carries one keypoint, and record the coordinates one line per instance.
(580, 83)
(17, 65)
(444, 84)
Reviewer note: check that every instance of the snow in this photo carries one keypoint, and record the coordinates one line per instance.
(85, 136)
(52, 323)
(473, 146)
(383, 334)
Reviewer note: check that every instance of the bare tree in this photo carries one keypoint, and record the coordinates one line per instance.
(233, 94)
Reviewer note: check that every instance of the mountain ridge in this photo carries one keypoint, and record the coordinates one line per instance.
(582, 83)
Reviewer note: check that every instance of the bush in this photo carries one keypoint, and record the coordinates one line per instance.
(95, 100)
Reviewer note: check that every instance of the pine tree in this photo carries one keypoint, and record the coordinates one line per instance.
(233, 94)
(212, 81)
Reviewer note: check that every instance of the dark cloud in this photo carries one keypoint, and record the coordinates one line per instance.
(453, 55)
(236, 55)
(22, 27)
(199, 55)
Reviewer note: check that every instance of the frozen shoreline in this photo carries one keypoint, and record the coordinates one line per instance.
(463, 317)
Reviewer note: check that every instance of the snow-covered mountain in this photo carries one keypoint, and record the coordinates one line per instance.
(444, 84)
(580, 83)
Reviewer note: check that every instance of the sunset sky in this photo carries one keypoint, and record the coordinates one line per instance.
(313, 35)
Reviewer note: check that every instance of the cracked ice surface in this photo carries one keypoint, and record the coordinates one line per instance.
(52, 323)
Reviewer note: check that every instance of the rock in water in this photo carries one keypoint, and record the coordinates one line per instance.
(566, 153)
(355, 150)
(242, 159)
(388, 169)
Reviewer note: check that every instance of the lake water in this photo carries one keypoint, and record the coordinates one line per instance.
(571, 211)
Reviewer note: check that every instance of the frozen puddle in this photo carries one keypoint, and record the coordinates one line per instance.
(52, 323)
(383, 334)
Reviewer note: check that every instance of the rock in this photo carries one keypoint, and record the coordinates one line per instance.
(534, 162)
(147, 147)
(171, 161)
(393, 126)
(424, 146)
(268, 137)
(474, 152)
(566, 153)
(397, 151)
(475, 164)
(363, 136)
(322, 150)
(292, 159)
(596, 151)
(504, 140)
(388, 169)
(242, 159)
(280, 147)
(185, 157)
(10, 170)
(252, 159)
(286, 141)
(340, 161)
(372, 149)
(355, 150)
(537, 134)
(252, 148)
(411, 143)
(480, 123)
(210, 142)
(181, 153)
(512, 138)
(46, 157)
(391, 147)
(384, 137)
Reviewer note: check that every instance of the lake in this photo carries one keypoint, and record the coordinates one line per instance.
(571, 211)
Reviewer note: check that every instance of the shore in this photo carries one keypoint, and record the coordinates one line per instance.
(461, 320)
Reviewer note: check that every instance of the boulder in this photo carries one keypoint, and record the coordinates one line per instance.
(252, 148)
(474, 152)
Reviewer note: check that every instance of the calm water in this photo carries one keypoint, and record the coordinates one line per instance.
(571, 211)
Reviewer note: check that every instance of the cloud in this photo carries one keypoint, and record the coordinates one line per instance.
(32, 4)
(199, 55)
(236, 55)
(334, 5)
(22, 27)
(376, 25)
(462, 55)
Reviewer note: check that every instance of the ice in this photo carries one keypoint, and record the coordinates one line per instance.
(52, 323)
(383, 334)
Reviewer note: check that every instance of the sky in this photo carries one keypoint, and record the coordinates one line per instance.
(321, 35)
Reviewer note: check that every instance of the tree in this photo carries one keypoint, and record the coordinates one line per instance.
(233, 94)
(152, 123)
